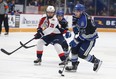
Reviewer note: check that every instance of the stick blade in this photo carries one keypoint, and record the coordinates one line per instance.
(4, 51)
(23, 45)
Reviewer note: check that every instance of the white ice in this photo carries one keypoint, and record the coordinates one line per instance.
(19, 65)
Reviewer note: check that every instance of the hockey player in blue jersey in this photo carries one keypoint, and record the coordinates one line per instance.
(64, 30)
(81, 46)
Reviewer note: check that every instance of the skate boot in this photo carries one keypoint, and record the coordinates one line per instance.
(97, 64)
(6, 33)
(72, 68)
(37, 61)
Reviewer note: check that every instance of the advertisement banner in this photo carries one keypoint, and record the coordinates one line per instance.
(32, 20)
(29, 20)
(11, 20)
(105, 22)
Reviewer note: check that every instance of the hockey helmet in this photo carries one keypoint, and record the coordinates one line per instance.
(60, 13)
(50, 9)
(79, 7)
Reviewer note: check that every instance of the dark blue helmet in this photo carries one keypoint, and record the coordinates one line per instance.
(79, 7)
(60, 13)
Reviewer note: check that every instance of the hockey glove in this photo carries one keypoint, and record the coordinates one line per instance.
(75, 30)
(62, 30)
(39, 34)
(68, 35)
(73, 43)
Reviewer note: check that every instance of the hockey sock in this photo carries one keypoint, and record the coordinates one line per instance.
(39, 54)
(90, 58)
(62, 56)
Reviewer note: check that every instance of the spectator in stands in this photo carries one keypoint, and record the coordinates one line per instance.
(70, 6)
(32, 3)
(11, 6)
(112, 11)
(50, 2)
(4, 16)
(104, 12)
(39, 5)
(90, 10)
(90, 4)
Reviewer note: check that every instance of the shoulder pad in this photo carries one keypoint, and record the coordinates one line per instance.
(44, 15)
(88, 16)
(64, 20)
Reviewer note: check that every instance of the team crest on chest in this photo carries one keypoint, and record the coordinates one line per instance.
(82, 23)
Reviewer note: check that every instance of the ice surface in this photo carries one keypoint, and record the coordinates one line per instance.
(19, 65)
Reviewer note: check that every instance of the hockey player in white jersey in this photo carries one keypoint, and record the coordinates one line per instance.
(47, 33)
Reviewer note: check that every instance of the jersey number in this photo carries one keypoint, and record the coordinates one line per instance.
(52, 25)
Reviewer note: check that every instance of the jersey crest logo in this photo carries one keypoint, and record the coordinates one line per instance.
(82, 23)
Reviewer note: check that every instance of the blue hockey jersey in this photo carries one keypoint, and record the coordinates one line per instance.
(85, 27)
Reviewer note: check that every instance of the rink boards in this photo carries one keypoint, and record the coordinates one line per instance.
(29, 22)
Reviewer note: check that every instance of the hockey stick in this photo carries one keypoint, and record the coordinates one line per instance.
(9, 53)
(26, 46)
(61, 71)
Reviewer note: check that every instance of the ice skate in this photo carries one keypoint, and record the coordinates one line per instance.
(97, 64)
(72, 68)
(6, 33)
(37, 61)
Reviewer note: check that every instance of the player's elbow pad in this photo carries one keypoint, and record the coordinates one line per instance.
(78, 39)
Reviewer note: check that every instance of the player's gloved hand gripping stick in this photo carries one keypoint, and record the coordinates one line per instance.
(38, 35)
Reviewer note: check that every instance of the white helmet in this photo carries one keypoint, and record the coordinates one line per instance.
(50, 9)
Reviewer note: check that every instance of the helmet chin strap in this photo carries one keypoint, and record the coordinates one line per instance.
(49, 17)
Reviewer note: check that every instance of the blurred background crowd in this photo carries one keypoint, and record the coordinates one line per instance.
(93, 7)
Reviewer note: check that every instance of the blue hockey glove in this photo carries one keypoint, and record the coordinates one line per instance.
(75, 30)
(73, 43)
(68, 35)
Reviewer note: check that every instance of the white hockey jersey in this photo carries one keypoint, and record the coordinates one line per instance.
(49, 25)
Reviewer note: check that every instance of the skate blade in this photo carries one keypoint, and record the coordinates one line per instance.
(37, 64)
(61, 66)
(71, 71)
(100, 63)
